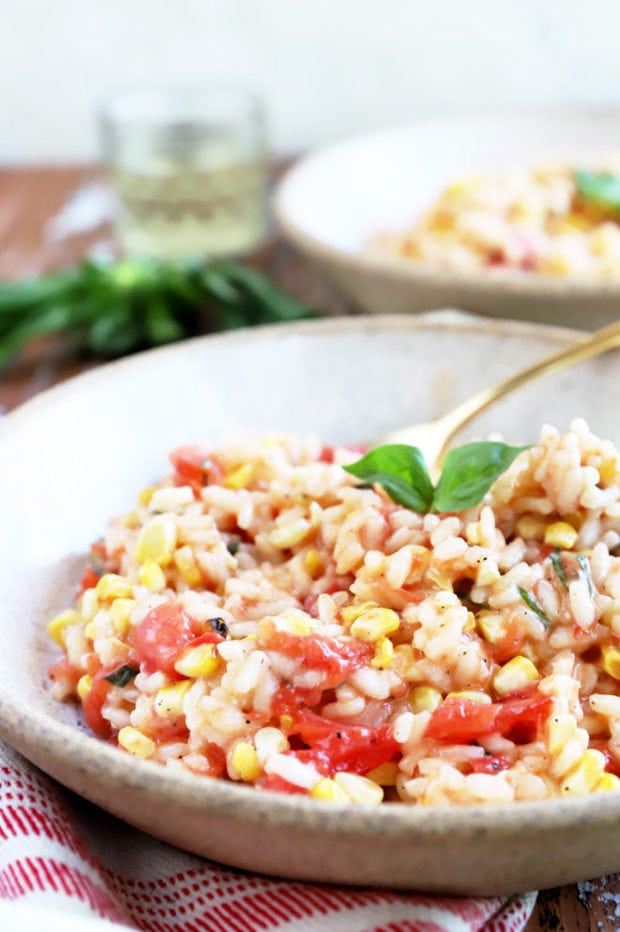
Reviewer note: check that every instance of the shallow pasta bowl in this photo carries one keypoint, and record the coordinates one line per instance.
(78, 454)
(334, 201)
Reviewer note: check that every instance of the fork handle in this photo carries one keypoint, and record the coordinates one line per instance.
(599, 342)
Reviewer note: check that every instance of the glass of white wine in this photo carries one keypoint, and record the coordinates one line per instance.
(189, 169)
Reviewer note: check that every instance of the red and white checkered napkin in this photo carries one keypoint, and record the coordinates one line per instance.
(63, 854)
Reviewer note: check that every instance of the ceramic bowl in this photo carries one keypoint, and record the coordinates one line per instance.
(333, 201)
(80, 452)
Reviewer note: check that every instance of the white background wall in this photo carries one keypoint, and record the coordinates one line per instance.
(327, 68)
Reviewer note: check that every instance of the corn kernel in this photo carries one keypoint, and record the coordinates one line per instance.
(90, 630)
(89, 604)
(384, 774)
(472, 694)
(132, 519)
(384, 653)
(58, 624)
(290, 534)
(531, 528)
(611, 661)
(135, 742)
(351, 612)
(560, 730)
(424, 699)
(440, 578)
(84, 686)
(584, 777)
(314, 563)
(145, 495)
(359, 789)
(157, 541)
(120, 611)
(470, 624)
(152, 576)
(198, 661)
(241, 477)
(561, 534)
(491, 626)
(329, 790)
(112, 586)
(375, 623)
(268, 741)
(611, 611)
(293, 623)
(609, 781)
(186, 565)
(244, 760)
(169, 699)
(515, 675)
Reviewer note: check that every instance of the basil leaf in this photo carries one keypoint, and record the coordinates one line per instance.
(401, 471)
(122, 675)
(531, 602)
(585, 569)
(558, 566)
(599, 188)
(469, 472)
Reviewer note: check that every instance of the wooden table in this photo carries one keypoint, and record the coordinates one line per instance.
(29, 199)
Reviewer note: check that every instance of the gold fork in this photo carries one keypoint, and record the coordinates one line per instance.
(433, 437)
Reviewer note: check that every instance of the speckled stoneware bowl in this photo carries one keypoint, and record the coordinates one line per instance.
(79, 453)
(335, 200)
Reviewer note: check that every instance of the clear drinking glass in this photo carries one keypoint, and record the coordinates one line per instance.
(189, 168)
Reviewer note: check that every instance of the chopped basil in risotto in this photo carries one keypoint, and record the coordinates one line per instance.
(258, 617)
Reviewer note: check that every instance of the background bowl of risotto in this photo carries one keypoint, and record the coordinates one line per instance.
(81, 452)
(503, 242)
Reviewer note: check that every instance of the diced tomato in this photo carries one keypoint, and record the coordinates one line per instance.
(93, 703)
(279, 785)
(288, 698)
(462, 720)
(326, 455)
(64, 672)
(334, 746)
(195, 466)
(509, 645)
(335, 659)
(168, 728)
(520, 718)
(491, 763)
(162, 636)
(88, 581)
(611, 764)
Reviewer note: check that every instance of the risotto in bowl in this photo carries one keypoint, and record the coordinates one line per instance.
(293, 655)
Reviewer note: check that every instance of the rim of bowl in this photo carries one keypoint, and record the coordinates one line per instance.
(92, 757)
(527, 284)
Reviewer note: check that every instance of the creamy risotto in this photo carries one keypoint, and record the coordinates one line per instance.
(260, 616)
(555, 220)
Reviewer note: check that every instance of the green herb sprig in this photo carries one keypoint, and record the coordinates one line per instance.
(531, 603)
(467, 475)
(122, 675)
(601, 189)
(115, 308)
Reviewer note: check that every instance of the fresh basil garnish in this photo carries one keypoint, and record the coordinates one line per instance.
(531, 602)
(599, 188)
(469, 472)
(467, 475)
(401, 471)
(122, 675)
